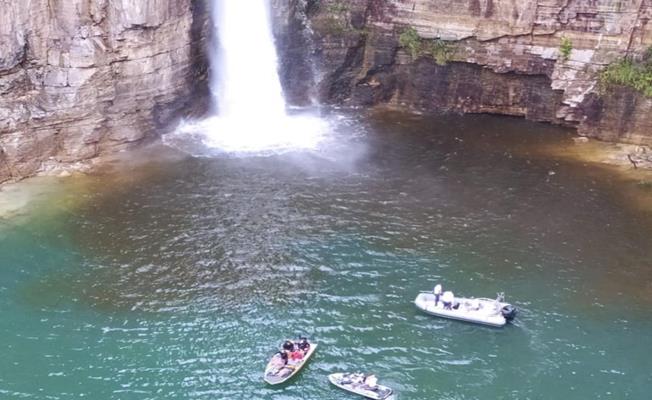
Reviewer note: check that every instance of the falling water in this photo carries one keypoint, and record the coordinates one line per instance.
(246, 79)
(246, 89)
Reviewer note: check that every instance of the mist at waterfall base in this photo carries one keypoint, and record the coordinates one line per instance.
(250, 114)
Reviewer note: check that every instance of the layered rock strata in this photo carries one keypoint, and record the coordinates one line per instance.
(538, 59)
(79, 78)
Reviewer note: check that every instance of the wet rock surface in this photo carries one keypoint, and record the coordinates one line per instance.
(81, 78)
(537, 59)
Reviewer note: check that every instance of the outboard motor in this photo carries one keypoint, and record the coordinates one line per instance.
(508, 311)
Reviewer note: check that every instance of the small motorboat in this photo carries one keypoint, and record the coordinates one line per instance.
(283, 367)
(493, 312)
(359, 384)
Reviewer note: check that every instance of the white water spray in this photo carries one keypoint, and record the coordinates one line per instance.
(246, 88)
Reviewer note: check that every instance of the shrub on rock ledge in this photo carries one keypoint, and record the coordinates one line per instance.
(631, 73)
(438, 49)
(565, 48)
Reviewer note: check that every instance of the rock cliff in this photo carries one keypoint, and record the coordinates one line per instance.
(539, 59)
(79, 78)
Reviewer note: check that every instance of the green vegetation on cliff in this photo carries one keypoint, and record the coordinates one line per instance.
(411, 42)
(631, 73)
(438, 49)
(565, 48)
(337, 20)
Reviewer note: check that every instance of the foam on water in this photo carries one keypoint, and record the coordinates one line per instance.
(255, 136)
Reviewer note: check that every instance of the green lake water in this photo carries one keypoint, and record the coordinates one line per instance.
(178, 278)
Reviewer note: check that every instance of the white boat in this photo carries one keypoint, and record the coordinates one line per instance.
(493, 312)
(277, 372)
(354, 383)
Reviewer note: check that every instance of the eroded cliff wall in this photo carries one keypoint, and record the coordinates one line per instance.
(83, 77)
(496, 56)
(79, 78)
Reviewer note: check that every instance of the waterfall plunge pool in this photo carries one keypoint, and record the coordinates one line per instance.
(177, 277)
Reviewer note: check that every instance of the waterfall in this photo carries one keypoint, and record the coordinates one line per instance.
(250, 112)
(246, 76)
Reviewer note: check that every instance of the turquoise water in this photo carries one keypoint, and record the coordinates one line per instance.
(179, 280)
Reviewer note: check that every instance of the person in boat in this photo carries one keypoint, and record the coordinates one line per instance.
(448, 299)
(303, 344)
(437, 292)
(296, 355)
(286, 351)
(356, 378)
(288, 346)
(284, 357)
(371, 382)
(280, 360)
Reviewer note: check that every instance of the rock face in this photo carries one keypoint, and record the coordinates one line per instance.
(82, 77)
(539, 59)
(79, 78)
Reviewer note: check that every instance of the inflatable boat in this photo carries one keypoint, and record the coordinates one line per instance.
(492, 312)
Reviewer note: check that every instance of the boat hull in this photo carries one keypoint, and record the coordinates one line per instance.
(488, 313)
(382, 392)
(276, 379)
